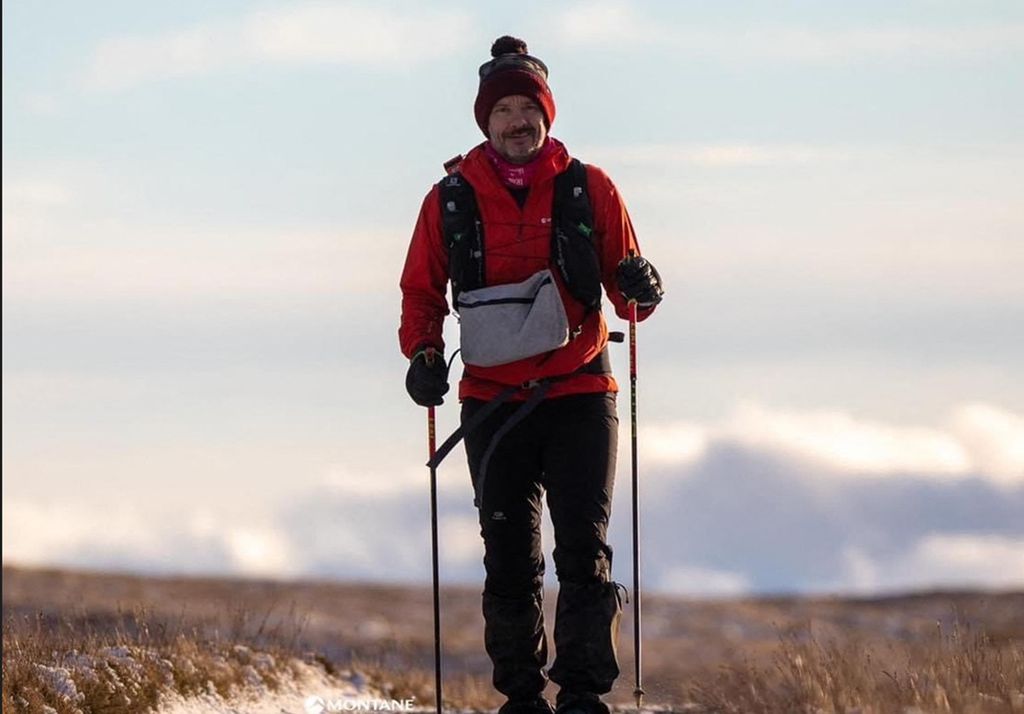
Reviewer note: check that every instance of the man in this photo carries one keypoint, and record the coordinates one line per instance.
(515, 233)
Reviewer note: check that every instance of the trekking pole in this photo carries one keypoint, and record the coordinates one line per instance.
(638, 692)
(432, 439)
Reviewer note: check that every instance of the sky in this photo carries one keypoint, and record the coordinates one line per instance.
(206, 208)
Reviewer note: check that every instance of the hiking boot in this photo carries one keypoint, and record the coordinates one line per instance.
(580, 703)
(540, 705)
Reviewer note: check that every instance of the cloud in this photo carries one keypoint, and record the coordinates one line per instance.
(345, 530)
(124, 62)
(994, 440)
(707, 582)
(667, 444)
(125, 537)
(257, 551)
(68, 238)
(784, 527)
(348, 33)
(352, 33)
(940, 560)
(103, 261)
(748, 511)
(605, 22)
(754, 230)
(953, 559)
(743, 154)
(848, 445)
(29, 194)
(977, 441)
(41, 104)
(619, 24)
(718, 155)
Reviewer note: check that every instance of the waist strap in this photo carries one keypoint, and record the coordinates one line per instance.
(601, 364)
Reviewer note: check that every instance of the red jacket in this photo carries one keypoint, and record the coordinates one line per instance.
(517, 243)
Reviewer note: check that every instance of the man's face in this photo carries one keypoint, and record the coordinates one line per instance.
(516, 128)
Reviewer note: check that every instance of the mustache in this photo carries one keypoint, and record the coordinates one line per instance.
(516, 133)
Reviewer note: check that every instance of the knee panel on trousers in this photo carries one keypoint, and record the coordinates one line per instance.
(513, 559)
(584, 565)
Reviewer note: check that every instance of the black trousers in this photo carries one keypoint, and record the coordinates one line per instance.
(566, 449)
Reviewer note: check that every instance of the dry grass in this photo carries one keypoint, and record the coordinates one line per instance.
(784, 654)
(958, 671)
(462, 690)
(84, 663)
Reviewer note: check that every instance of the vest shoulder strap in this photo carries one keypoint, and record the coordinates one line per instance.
(572, 240)
(463, 234)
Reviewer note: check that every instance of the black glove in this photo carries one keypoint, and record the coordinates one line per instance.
(638, 280)
(427, 378)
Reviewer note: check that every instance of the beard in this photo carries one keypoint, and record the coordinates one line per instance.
(521, 144)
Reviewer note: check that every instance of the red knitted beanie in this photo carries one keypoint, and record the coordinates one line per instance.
(512, 71)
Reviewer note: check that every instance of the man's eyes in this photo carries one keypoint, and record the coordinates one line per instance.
(503, 109)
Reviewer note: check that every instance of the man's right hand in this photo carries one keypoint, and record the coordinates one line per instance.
(427, 378)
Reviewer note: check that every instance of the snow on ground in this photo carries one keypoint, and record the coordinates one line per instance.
(312, 691)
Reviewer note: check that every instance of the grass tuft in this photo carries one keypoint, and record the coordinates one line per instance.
(124, 664)
(957, 671)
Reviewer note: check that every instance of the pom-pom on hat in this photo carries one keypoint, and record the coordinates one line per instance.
(512, 71)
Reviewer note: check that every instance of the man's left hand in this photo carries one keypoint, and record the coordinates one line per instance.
(638, 280)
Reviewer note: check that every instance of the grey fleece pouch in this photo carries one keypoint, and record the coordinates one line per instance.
(505, 323)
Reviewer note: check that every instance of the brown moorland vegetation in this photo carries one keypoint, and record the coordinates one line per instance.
(79, 641)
